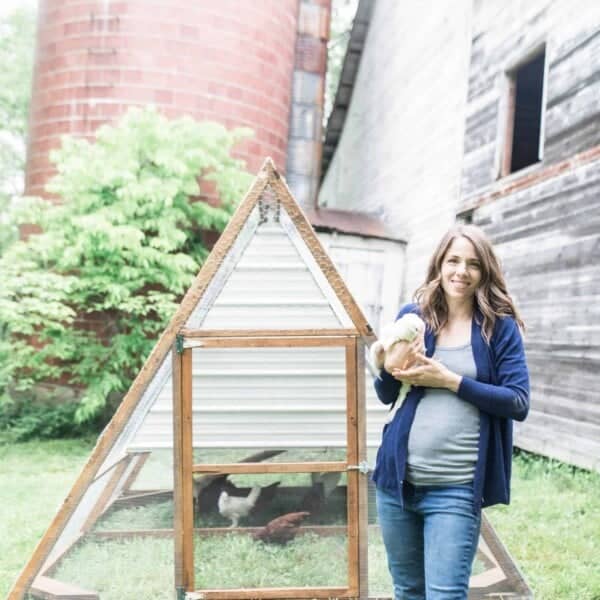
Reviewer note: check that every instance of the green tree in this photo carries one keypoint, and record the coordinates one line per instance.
(122, 246)
(17, 39)
(342, 20)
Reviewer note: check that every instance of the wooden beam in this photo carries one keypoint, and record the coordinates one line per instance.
(142, 457)
(142, 497)
(363, 480)
(47, 588)
(246, 468)
(106, 495)
(323, 592)
(352, 476)
(518, 183)
(177, 469)
(322, 530)
(265, 342)
(202, 333)
(126, 458)
(187, 459)
(509, 126)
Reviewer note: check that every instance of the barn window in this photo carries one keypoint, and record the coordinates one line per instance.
(525, 110)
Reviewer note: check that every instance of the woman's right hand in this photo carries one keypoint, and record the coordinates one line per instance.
(416, 347)
(404, 355)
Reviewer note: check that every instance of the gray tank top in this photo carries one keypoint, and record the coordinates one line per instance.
(443, 440)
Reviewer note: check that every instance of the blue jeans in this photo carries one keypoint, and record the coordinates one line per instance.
(431, 542)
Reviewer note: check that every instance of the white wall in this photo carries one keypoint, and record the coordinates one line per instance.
(399, 155)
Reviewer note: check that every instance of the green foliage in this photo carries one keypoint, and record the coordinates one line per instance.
(22, 421)
(342, 17)
(17, 34)
(117, 252)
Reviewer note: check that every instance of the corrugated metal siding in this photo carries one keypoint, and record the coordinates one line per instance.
(270, 287)
(261, 398)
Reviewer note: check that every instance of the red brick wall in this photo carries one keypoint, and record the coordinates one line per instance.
(230, 61)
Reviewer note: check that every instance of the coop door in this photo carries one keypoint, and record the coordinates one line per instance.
(266, 474)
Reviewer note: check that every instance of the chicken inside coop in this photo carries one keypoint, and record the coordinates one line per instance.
(281, 530)
(265, 500)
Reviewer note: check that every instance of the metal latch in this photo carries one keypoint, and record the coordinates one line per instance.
(362, 466)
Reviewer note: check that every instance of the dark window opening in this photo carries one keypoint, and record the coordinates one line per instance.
(528, 94)
(465, 218)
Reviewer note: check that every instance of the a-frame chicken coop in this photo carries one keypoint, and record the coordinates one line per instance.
(235, 466)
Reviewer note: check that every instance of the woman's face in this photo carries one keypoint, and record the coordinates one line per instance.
(461, 270)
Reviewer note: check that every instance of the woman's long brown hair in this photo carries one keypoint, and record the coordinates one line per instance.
(491, 297)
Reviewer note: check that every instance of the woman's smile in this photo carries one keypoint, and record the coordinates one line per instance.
(460, 284)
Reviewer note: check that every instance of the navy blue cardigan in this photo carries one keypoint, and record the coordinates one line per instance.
(500, 391)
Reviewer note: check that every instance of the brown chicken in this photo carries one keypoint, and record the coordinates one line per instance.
(281, 530)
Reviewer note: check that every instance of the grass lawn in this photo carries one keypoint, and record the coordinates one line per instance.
(552, 528)
(34, 480)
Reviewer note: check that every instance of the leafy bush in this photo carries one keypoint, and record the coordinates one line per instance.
(22, 421)
(84, 300)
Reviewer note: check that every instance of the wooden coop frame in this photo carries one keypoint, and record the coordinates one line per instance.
(357, 498)
(113, 472)
(353, 334)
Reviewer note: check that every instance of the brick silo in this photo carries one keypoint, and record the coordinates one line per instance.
(233, 61)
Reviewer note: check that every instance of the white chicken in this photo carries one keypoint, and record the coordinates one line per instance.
(237, 507)
(391, 350)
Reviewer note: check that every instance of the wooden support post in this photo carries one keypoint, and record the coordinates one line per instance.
(102, 504)
(182, 467)
(353, 475)
(363, 481)
(509, 129)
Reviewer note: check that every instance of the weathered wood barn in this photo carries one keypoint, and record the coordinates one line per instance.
(489, 112)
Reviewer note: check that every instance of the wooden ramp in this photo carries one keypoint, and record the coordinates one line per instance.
(47, 588)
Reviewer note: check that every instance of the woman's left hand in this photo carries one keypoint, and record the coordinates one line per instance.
(428, 373)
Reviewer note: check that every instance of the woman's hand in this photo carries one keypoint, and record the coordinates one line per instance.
(416, 348)
(428, 372)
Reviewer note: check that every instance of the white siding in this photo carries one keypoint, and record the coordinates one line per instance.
(262, 398)
(274, 284)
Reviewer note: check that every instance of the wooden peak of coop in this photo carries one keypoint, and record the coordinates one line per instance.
(269, 272)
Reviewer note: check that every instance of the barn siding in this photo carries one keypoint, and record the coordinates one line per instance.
(422, 144)
(503, 34)
(548, 237)
(548, 232)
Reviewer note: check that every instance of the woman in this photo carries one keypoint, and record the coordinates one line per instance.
(447, 452)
